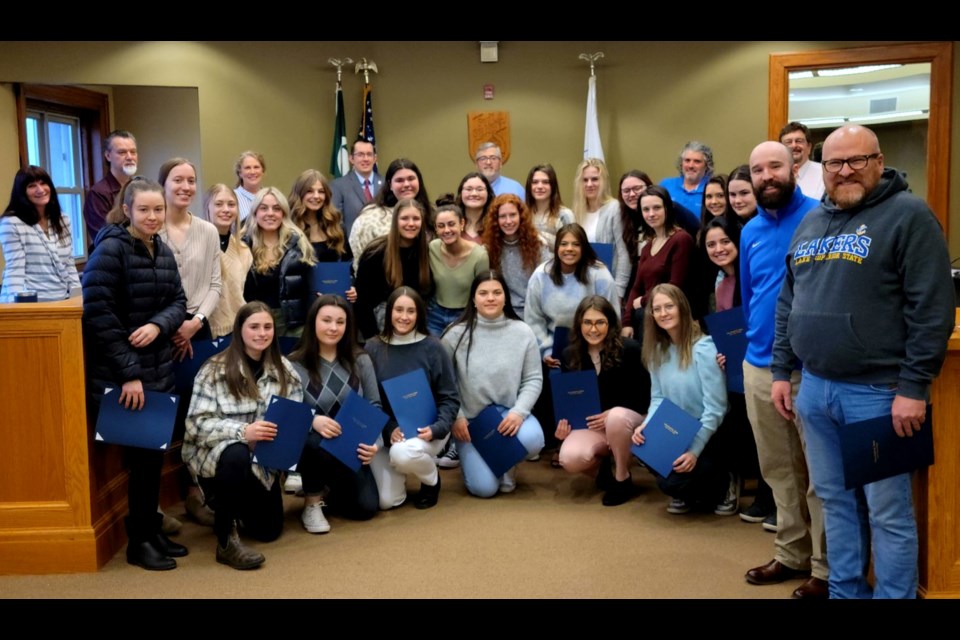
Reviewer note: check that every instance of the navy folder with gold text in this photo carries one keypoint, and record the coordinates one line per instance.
(872, 450)
(361, 423)
(331, 277)
(667, 436)
(411, 401)
(576, 397)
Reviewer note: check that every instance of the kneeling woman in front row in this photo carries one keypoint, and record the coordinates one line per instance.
(624, 385)
(683, 368)
(504, 371)
(330, 364)
(405, 346)
(225, 422)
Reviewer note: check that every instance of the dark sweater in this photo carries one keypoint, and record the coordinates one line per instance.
(390, 361)
(373, 288)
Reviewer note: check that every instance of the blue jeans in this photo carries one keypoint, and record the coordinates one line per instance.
(880, 511)
(477, 477)
(438, 318)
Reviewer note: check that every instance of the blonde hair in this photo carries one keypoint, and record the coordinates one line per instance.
(656, 341)
(264, 257)
(579, 206)
(208, 198)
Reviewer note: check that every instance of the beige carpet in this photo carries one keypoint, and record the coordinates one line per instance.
(550, 539)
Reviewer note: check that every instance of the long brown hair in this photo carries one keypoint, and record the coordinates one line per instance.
(236, 368)
(307, 352)
(612, 345)
(329, 218)
(390, 245)
(529, 238)
(656, 341)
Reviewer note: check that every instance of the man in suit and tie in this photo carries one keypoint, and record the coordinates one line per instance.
(354, 191)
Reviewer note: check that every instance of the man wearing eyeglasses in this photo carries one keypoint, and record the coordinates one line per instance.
(357, 189)
(868, 307)
(489, 160)
(796, 137)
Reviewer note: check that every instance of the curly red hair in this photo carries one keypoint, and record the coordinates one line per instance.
(528, 236)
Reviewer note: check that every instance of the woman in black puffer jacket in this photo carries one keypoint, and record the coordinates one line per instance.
(133, 303)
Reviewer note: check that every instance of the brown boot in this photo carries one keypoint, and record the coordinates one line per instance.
(238, 555)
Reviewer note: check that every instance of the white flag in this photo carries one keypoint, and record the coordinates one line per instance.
(592, 147)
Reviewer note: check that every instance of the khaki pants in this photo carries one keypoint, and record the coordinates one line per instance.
(800, 541)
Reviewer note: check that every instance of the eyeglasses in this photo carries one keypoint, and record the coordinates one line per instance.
(488, 158)
(637, 190)
(667, 308)
(363, 154)
(590, 324)
(855, 163)
(474, 189)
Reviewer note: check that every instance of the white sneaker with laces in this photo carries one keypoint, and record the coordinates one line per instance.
(313, 519)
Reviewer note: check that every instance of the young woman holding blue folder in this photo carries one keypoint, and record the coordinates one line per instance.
(330, 364)
(683, 367)
(133, 304)
(403, 347)
(504, 371)
(624, 384)
(225, 422)
(312, 210)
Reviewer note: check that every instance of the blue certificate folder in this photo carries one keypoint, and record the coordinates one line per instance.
(188, 369)
(729, 332)
(561, 338)
(667, 436)
(411, 401)
(500, 452)
(331, 277)
(872, 450)
(149, 428)
(604, 251)
(294, 420)
(361, 423)
(576, 396)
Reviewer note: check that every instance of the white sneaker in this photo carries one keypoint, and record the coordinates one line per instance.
(293, 483)
(313, 519)
(508, 481)
(731, 502)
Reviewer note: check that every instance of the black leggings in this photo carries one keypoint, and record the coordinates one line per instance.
(237, 494)
(352, 494)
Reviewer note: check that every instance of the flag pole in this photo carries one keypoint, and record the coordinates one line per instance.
(339, 155)
(366, 119)
(592, 146)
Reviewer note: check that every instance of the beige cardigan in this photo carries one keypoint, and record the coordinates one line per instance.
(235, 262)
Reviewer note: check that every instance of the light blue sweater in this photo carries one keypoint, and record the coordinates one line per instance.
(700, 389)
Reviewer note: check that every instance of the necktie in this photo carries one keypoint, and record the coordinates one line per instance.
(367, 195)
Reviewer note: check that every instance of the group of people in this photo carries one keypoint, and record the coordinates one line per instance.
(473, 289)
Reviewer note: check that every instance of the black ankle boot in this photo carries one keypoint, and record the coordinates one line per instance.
(619, 492)
(144, 554)
(428, 495)
(168, 547)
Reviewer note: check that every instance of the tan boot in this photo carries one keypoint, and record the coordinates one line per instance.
(238, 555)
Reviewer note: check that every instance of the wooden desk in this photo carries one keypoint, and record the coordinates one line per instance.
(937, 489)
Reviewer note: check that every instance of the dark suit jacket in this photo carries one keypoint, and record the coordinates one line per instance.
(348, 196)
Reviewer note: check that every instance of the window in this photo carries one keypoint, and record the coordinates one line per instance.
(53, 142)
(61, 129)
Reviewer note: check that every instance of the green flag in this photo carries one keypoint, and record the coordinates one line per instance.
(339, 165)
